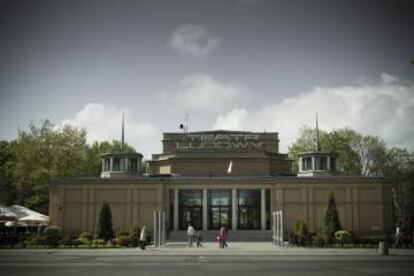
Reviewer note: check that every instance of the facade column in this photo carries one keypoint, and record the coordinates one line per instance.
(205, 209)
(103, 165)
(126, 164)
(111, 164)
(175, 209)
(234, 209)
(300, 164)
(313, 162)
(328, 163)
(263, 208)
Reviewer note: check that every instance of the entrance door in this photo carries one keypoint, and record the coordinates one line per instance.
(249, 209)
(190, 209)
(249, 218)
(219, 209)
(191, 215)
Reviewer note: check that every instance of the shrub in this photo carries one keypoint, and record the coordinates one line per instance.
(77, 242)
(330, 221)
(98, 242)
(124, 241)
(86, 236)
(67, 241)
(52, 236)
(301, 231)
(32, 240)
(343, 236)
(134, 230)
(113, 242)
(52, 231)
(318, 240)
(105, 223)
(122, 233)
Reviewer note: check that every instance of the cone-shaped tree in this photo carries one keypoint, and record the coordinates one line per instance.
(330, 222)
(105, 223)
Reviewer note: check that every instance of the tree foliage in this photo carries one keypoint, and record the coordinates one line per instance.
(45, 151)
(367, 156)
(105, 231)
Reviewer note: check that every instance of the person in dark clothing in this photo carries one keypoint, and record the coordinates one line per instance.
(199, 239)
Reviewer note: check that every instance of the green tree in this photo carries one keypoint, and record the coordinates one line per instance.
(330, 221)
(304, 143)
(372, 153)
(8, 191)
(399, 169)
(46, 151)
(339, 141)
(105, 223)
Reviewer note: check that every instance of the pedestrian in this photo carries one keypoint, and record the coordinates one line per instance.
(223, 237)
(142, 238)
(198, 239)
(398, 236)
(190, 234)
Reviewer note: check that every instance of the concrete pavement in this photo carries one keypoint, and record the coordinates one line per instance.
(212, 249)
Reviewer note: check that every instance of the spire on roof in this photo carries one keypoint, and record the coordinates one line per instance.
(123, 133)
(318, 145)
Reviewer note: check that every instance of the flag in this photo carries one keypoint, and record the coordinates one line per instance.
(230, 168)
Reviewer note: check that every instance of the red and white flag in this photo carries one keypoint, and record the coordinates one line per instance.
(230, 168)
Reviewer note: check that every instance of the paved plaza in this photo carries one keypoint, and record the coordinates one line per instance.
(177, 259)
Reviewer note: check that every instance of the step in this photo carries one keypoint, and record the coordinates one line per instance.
(234, 235)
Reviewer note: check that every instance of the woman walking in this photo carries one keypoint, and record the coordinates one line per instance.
(223, 237)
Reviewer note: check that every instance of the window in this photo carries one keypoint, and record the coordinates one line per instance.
(190, 209)
(306, 163)
(107, 164)
(219, 209)
(249, 209)
(133, 165)
(333, 164)
(116, 165)
(323, 163)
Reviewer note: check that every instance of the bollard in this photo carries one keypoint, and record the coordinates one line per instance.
(383, 248)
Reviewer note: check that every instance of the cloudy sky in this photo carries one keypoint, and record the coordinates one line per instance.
(230, 64)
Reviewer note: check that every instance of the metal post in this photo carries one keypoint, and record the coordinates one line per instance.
(159, 229)
(164, 229)
(204, 226)
(282, 240)
(155, 229)
(263, 208)
(175, 209)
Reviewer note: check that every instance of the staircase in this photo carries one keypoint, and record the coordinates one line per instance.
(234, 235)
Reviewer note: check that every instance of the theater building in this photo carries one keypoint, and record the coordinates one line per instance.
(221, 178)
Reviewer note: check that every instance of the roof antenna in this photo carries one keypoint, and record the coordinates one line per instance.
(318, 146)
(184, 126)
(123, 133)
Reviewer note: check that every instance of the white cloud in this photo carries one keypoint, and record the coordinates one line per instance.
(193, 40)
(202, 92)
(385, 109)
(103, 122)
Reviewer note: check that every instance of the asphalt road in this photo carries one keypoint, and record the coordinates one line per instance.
(91, 265)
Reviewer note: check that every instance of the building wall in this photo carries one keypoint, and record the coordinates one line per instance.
(75, 207)
(364, 205)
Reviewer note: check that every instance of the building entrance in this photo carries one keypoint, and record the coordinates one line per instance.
(219, 209)
(249, 210)
(190, 209)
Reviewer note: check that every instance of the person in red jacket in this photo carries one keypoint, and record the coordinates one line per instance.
(223, 237)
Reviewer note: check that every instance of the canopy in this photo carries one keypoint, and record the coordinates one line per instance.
(22, 216)
(6, 214)
(34, 219)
